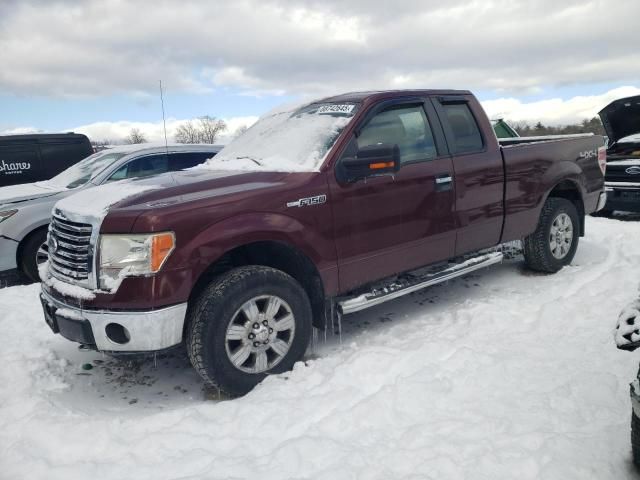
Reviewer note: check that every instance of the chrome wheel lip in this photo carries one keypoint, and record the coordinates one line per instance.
(254, 340)
(561, 236)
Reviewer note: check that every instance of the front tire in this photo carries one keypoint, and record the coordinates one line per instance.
(250, 322)
(554, 243)
(34, 252)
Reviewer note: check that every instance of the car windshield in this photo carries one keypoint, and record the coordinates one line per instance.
(82, 172)
(292, 140)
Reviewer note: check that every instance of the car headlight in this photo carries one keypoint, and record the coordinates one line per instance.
(130, 255)
(7, 214)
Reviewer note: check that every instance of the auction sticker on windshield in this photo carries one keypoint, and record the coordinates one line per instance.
(329, 109)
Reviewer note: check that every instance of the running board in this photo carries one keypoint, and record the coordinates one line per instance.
(403, 287)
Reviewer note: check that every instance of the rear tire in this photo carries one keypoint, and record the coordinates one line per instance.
(249, 322)
(635, 439)
(554, 243)
(33, 253)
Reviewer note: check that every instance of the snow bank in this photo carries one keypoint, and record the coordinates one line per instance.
(502, 374)
(628, 327)
(91, 205)
(285, 140)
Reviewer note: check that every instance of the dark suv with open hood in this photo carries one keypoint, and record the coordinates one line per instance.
(621, 120)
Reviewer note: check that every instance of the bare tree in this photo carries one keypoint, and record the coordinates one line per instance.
(187, 133)
(210, 128)
(136, 136)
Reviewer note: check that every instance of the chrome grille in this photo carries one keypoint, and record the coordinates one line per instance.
(69, 249)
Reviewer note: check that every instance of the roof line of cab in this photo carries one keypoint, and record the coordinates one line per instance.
(382, 94)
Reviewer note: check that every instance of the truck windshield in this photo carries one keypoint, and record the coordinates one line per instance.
(79, 174)
(295, 140)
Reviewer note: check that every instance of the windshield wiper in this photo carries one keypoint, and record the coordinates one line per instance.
(250, 158)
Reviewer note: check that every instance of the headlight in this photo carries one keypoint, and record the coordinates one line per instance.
(7, 214)
(130, 255)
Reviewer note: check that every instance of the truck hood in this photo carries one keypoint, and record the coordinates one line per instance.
(28, 191)
(116, 205)
(621, 118)
(188, 186)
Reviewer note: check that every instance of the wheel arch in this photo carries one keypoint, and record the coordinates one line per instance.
(570, 190)
(275, 254)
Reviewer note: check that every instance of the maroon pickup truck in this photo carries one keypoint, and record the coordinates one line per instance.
(316, 211)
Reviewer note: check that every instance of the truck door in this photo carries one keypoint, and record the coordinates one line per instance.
(389, 224)
(478, 172)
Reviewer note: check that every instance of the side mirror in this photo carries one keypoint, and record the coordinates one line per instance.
(369, 161)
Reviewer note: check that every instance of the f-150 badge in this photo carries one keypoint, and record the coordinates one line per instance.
(307, 202)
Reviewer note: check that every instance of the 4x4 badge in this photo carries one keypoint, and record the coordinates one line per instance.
(305, 202)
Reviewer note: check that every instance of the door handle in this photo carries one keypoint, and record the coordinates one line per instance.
(444, 182)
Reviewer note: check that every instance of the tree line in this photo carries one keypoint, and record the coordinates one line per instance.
(525, 129)
(205, 129)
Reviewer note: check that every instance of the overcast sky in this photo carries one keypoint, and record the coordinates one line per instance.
(94, 66)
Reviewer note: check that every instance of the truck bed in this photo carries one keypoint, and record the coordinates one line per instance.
(571, 158)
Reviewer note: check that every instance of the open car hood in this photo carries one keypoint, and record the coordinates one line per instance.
(621, 118)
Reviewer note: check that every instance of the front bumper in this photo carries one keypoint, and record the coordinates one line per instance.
(8, 251)
(116, 331)
(624, 196)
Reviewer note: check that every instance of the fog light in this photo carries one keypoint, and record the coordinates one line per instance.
(117, 333)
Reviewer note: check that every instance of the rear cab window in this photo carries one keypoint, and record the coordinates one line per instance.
(464, 132)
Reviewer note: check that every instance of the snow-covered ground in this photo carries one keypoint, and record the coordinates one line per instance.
(502, 374)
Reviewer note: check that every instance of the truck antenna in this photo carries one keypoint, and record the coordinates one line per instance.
(164, 122)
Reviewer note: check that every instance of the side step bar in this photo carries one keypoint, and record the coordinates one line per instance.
(417, 282)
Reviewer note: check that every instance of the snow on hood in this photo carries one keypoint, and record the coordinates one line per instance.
(286, 140)
(27, 191)
(92, 204)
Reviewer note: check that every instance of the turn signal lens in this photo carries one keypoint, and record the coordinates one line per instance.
(162, 245)
(379, 165)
